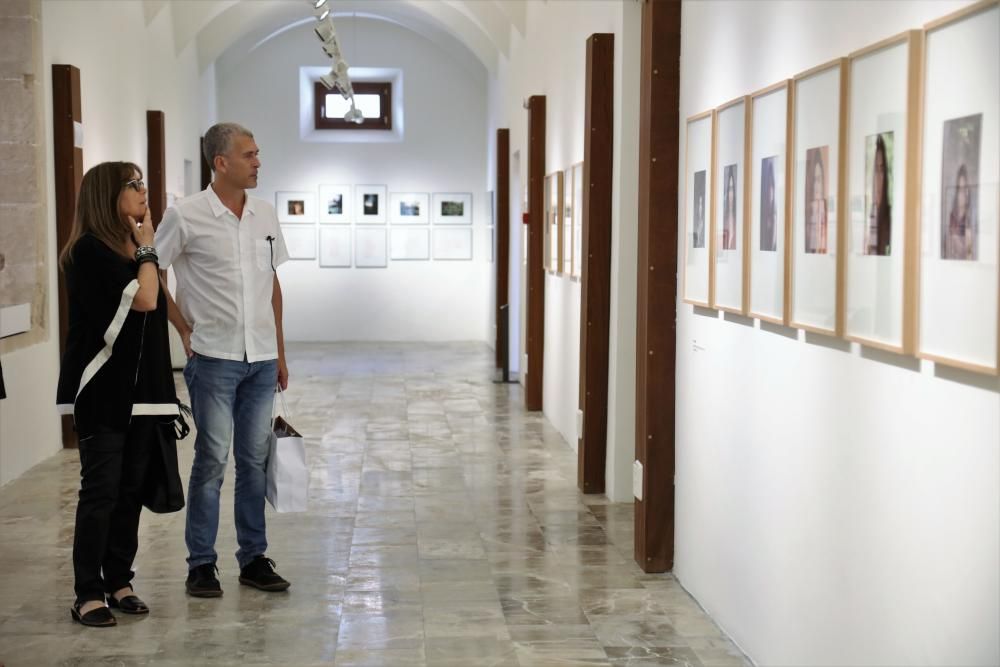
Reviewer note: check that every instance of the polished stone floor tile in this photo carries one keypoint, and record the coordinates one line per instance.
(445, 529)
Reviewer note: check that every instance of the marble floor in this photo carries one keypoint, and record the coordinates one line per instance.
(445, 528)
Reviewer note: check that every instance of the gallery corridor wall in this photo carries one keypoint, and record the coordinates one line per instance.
(836, 505)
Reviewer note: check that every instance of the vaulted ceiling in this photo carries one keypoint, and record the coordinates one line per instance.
(483, 28)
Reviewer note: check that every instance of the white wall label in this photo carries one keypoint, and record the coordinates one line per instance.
(579, 424)
(15, 319)
(637, 480)
(77, 134)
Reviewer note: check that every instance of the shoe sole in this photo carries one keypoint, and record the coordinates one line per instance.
(204, 594)
(76, 616)
(272, 588)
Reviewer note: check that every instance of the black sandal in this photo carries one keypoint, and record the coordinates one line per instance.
(130, 604)
(95, 618)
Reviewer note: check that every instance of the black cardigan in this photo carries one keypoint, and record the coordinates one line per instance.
(117, 360)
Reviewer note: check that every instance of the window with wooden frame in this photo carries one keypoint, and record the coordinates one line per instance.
(372, 98)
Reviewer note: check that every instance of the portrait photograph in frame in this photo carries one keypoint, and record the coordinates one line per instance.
(370, 248)
(370, 204)
(578, 257)
(769, 139)
(335, 204)
(409, 208)
(698, 242)
(451, 208)
(295, 207)
(567, 223)
(300, 241)
(406, 244)
(882, 171)
(452, 244)
(730, 206)
(959, 315)
(335, 246)
(815, 259)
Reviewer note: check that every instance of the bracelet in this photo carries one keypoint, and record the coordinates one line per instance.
(149, 258)
(145, 250)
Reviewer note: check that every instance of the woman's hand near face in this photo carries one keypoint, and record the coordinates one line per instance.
(143, 230)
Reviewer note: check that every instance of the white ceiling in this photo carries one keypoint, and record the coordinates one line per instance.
(481, 28)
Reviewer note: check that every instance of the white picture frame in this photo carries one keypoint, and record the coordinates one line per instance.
(335, 204)
(769, 115)
(300, 240)
(730, 206)
(959, 320)
(452, 244)
(370, 248)
(335, 248)
(409, 208)
(578, 258)
(567, 223)
(409, 244)
(698, 237)
(815, 260)
(295, 207)
(452, 208)
(880, 282)
(370, 204)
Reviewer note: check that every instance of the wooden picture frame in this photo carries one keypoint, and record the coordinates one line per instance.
(815, 262)
(883, 172)
(699, 193)
(959, 243)
(766, 275)
(731, 207)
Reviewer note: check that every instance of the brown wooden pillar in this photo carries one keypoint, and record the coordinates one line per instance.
(659, 152)
(536, 252)
(156, 161)
(68, 172)
(595, 299)
(502, 222)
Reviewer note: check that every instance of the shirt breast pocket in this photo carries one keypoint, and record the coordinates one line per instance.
(263, 254)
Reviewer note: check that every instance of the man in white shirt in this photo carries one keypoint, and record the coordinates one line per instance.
(224, 246)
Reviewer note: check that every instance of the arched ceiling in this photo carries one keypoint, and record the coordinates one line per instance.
(481, 28)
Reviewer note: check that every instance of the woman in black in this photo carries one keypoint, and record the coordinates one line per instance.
(117, 382)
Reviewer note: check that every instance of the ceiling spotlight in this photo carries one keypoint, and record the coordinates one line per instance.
(326, 12)
(325, 32)
(354, 115)
(318, 3)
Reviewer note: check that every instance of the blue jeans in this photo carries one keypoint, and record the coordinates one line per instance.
(227, 394)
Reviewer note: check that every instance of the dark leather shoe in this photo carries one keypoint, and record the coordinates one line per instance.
(260, 574)
(202, 582)
(95, 618)
(130, 604)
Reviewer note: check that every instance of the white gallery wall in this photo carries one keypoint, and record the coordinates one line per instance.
(443, 150)
(551, 62)
(128, 65)
(835, 505)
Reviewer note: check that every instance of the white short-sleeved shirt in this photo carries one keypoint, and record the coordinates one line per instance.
(224, 273)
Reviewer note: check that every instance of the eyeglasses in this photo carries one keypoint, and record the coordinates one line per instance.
(136, 184)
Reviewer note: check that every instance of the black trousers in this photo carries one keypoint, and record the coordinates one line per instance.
(113, 468)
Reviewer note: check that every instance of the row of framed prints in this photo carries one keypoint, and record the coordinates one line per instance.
(370, 204)
(563, 238)
(860, 198)
(336, 245)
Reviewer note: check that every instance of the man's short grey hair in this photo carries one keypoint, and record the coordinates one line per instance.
(219, 140)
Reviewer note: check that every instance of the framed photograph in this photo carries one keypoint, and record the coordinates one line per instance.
(815, 260)
(567, 223)
(769, 139)
(453, 244)
(882, 170)
(409, 244)
(959, 323)
(697, 209)
(335, 246)
(295, 206)
(369, 248)
(409, 208)
(553, 221)
(300, 241)
(370, 204)
(452, 208)
(578, 257)
(335, 204)
(732, 139)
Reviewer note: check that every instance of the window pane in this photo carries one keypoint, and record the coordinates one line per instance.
(369, 104)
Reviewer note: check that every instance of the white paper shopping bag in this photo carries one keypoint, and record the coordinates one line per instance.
(287, 472)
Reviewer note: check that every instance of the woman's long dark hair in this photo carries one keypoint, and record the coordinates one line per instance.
(97, 207)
